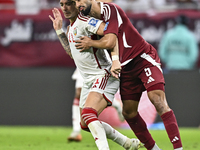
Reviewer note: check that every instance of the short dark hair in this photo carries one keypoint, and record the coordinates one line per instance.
(182, 19)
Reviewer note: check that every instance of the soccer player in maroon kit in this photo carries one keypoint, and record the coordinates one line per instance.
(140, 70)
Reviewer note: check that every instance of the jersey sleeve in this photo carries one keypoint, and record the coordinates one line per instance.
(93, 25)
(111, 19)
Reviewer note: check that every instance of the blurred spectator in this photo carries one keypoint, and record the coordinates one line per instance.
(34, 6)
(187, 4)
(27, 7)
(7, 4)
(178, 48)
(139, 5)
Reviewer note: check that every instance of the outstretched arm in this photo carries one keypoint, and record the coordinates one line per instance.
(108, 41)
(57, 24)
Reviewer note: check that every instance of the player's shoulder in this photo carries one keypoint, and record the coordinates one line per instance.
(83, 18)
(87, 20)
(108, 6)
(108, 9)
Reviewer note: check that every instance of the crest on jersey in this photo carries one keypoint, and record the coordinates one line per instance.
(93, 22)
(75, 31)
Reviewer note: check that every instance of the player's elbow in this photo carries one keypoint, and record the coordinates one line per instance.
(109, 40)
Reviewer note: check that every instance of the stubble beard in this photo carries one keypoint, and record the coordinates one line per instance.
(87, 10)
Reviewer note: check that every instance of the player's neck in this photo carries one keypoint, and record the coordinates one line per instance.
(96, 10)
(72, 20)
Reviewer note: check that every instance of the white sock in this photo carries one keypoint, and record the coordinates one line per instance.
(113, 134)
(118, 107)
(155, 147)
(98, 132)
(76, 118)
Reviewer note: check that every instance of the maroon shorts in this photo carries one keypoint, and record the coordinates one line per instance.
(142, 73)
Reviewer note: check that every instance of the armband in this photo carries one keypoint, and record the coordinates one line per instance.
(58, 32)
(115, 57)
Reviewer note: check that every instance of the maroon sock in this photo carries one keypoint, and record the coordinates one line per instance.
(171, 127)
(139, 127)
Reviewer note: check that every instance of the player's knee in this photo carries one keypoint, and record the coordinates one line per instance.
(76, 101)
(129, 113)
(89, 115)
(78, 93)
(129, 109)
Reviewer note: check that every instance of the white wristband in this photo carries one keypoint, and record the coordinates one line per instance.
(58, 32)
(115, 57)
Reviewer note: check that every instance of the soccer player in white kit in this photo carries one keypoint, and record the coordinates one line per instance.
(94, 65)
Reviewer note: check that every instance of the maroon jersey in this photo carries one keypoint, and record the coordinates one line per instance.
(131, 43)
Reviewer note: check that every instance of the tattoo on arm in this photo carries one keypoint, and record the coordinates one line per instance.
(64, 41)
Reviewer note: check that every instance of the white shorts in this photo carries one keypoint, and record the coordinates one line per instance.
(106, 85)
(79, 80)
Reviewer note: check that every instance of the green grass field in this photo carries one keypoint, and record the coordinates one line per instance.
(54, 138)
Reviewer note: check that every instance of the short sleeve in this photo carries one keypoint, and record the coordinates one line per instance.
(93, 25)
(111, 18)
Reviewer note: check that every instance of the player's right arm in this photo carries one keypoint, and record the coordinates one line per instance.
(57, 24)
(65, 43)
(108, 41)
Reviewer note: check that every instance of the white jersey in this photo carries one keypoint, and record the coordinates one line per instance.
(93, 64)
(92, 61)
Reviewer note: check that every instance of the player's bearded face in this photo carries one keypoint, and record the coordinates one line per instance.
(85, 7)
